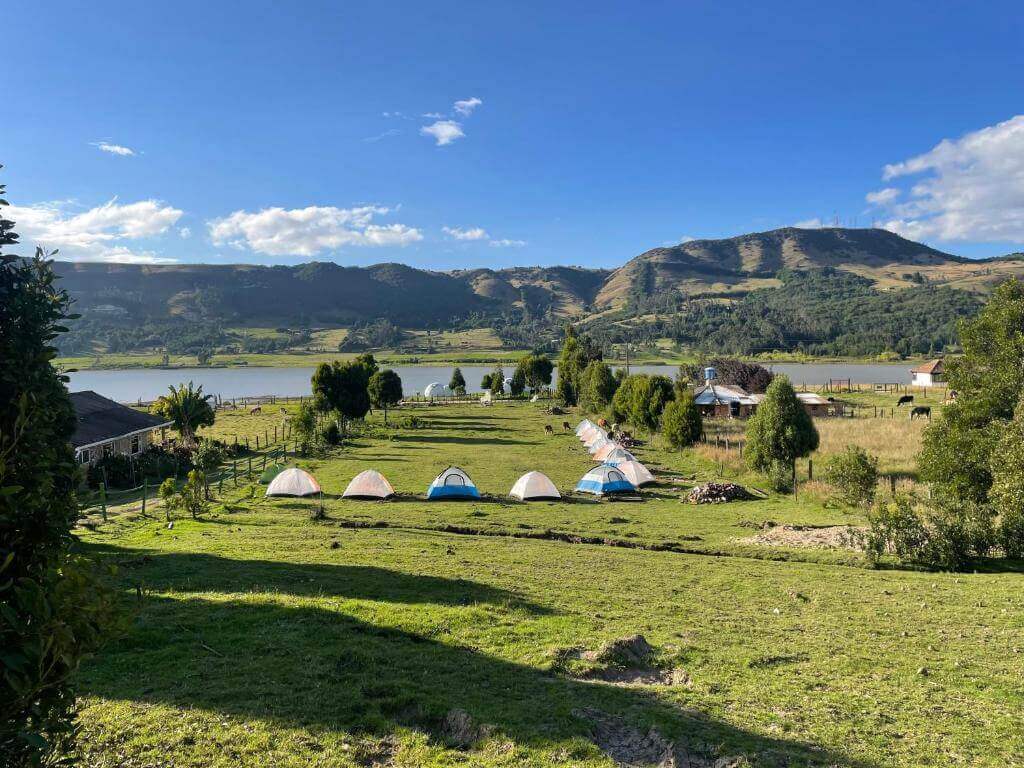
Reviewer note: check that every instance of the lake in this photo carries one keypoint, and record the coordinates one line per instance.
(149, 383)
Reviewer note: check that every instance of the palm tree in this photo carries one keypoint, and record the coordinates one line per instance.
(188, 408)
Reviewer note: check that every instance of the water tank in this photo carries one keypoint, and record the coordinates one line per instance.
(710, 374)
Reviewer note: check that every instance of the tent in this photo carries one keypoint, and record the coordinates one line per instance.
(435, 389)
(293, 482)
(534, 485)
(635, 472)
(369, 484)
(604, 444)
(582, 426)
(595, 437)
(618, 455)
(603, 480)
(453, 483)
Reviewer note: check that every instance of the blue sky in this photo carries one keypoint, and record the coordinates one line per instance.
(449, 135)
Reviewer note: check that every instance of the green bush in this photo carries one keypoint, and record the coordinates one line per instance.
(681, 422)
(1007, 491)
(597, 386)
(853, 474)
(640, 400)
(332, 434)
(779, 432)
(941, 533)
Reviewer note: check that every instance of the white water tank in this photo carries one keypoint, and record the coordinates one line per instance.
(710, 374)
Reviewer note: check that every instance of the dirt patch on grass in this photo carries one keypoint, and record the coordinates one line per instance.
(808, 536)
(625, 661)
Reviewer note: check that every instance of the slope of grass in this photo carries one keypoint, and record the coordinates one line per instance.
(261, 637)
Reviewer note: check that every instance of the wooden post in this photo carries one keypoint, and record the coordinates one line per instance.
(143, 495)
(275, 433)
(103, 497)
(265, 440)
(892, 484)
(794, 479)
(234, 472)
(810, 470)
(220, 484)
(249, 475)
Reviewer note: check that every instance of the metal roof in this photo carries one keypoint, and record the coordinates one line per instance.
(100, 419)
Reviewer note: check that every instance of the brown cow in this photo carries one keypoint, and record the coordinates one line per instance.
(548, 429)
(255, 409)
(566, 426)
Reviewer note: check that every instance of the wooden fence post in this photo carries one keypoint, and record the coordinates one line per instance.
(249, 476)
(103, 499)
(234, 472)
(143, 495)
(810, 470)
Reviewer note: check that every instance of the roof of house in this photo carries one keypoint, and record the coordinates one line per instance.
(714, 394)
(101, 419)
(932, 366)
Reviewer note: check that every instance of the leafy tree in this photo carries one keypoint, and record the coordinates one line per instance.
(779, 432)
(681, 421)
(597, 386)
(577, 353)
(458, 382)
(1007, 491)
(385, 390)
(518, 383)
(188, 408)
(304, 426)
(854, 475)
(344, 386)
(536, 371)
(204, 356)
(748, 376)
(485, 382)
(207, 457)
(498, 380)
(52, 610)
(989, 379)
(641, 398)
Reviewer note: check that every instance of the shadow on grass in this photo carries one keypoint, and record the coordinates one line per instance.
(460, 440)
(308, 666)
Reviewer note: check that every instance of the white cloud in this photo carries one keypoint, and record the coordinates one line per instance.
(883, 196)
(309, 231)
(185, 232)
(465, 107)
(507, 243)
(972, 188)
(98, 234)
(114, 149)
(475, 233)
(433, 115)
(443, 131)
(384, 135)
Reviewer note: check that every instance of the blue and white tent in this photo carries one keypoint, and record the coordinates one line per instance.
(603, 480)
(453, 483)
(619, 456)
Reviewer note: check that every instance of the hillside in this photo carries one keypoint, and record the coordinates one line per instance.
(737, 265)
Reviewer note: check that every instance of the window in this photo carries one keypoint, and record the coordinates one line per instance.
(135, 444)
(454, 479)
(615, 477)
(108, 449)
(84, 456)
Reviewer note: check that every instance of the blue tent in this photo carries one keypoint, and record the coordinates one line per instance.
(603, 480)
(453, 483)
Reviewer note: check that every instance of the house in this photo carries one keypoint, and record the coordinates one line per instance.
(928, 374)
(106, 428)
(724, 401)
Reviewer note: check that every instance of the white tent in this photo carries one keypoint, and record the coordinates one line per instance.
(600, 445)
(636, 473)
(293, 482)
(616, 456)
(434, 389)
(595, 437)
(369, 484)
(582, 426)
(534, 485)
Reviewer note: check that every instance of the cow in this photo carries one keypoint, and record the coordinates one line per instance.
(566, 426)
(603, 423)
(921, 410)
(255, 410)
(548, 429)
(905, 400)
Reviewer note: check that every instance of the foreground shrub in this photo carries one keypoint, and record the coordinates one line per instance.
(940, 533)
(779, 432)
(1007, 491)
(681, 421)
(854, 475)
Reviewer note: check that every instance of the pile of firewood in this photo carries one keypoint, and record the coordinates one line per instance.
(717, 493)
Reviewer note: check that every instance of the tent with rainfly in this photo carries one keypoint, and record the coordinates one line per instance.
(618, 455)
(534, 486)
(604, 480)
(453, 483)
(293, 482)
(369, 484)
(635, 472)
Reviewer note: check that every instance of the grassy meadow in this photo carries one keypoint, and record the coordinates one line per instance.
(415, 633)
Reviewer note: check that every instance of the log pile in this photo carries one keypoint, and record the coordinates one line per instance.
(717, 493)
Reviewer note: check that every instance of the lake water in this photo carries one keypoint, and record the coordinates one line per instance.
(150, 383)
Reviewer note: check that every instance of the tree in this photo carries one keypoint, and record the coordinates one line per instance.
(204, 356)
(681, 421)
(206, 458)
(597, 386)
(989, 380)
(188, 408)
(641, 398)
(779, 432)
(854, 475)
(748, 376)
(485, 382)
(498, 380)
(577, 353)
(518, 383)
(343, 386)
(304, 426)
(385, 390)
(52, 610)
(536, 371)
(1007, 491)
(458, 382)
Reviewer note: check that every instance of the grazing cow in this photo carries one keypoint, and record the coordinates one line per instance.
(548, 429)
(921, 410)
(905, 400)
(566, 426)
(254, 410)
(603, 423)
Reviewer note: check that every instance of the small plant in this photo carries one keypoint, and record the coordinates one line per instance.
(854, 475)
(332, 434)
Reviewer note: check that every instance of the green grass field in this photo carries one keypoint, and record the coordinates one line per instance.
(258, 636)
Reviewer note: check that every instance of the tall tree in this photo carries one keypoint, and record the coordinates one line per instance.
(498, 380)
(597, 386)
(343, 386)
(641, 398)
(458, 382)
(577, 353)
(385, 388)
(188, 408)
(51, 611)
(681, 421)
(779, 432)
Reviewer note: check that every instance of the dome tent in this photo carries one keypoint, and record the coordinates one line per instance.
(604, 449)
(595, 437)
(635, 472)
(592, 433)
(582, 426)
(293, 482)
(534, 485)
(453, 483)
(369, 484)
(435, 389)
(618, 455)
(604, 444)
(604, 480)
